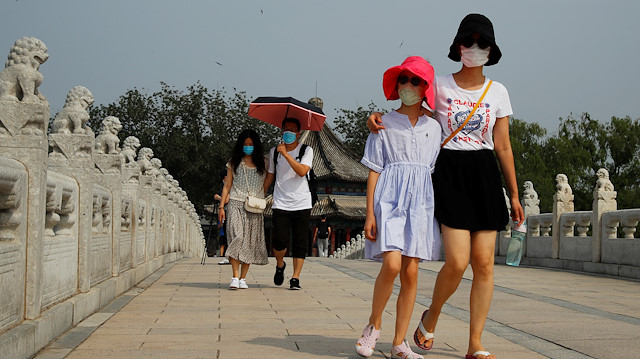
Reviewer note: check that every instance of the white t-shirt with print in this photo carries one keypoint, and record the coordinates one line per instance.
(291, 192)
(453, 105)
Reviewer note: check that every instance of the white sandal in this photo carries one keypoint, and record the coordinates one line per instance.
(404, 351)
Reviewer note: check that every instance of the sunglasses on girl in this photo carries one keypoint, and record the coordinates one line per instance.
(415, 81)
(469, 41)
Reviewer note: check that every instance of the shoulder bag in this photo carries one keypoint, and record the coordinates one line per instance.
(253, 204)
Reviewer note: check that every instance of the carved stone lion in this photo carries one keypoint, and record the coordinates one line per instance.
(562, 184)
(20, 78)
(129, 148)
(107, 140)
(157, 164)
(144, 160)
(529, 192)
(603, 184)
(74, 116)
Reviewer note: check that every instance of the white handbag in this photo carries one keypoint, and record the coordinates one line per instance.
(253, 204)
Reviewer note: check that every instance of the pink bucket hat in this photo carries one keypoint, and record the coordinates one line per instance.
(417, 66)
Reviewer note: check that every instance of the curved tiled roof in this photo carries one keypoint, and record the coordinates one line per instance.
(348, 207)
(332, 159)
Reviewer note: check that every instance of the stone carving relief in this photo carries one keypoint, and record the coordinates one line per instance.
(74, 116)
(13, 184)
(20, 79)
(60, 206)
(125, 214)
(107, 140)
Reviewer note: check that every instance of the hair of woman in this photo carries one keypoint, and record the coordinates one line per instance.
(258, 152)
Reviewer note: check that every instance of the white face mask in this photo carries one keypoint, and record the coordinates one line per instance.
(409, 96)
(474, 56)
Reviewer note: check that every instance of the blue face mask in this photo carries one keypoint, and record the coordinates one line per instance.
(248, 150)
(288, 137)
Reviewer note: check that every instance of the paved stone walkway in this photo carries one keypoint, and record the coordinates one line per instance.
(186, 310)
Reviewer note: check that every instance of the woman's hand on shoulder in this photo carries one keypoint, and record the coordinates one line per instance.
(374, 122)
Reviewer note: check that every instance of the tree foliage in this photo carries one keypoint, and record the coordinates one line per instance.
(352, 125)
(191, 131)
(579, 148)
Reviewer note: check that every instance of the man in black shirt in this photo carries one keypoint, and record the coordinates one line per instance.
(321, 236)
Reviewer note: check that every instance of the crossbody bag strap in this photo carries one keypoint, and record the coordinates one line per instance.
(244, 170)
(454, 133)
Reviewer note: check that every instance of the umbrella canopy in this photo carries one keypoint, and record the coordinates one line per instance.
(275, 109)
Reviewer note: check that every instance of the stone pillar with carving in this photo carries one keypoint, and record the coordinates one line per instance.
(163, 215)
(109, 175)
(146, 238)
(604, 200)
(562, 203)
(155, 221)
(24, 118)
(130, 181)
(71, 144)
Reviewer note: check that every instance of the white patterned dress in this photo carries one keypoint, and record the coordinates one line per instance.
(245, 230)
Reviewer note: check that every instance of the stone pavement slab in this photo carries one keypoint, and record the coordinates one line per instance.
(187, 311)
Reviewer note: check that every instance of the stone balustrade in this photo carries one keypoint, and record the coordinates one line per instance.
(81, 221)
(603, 240)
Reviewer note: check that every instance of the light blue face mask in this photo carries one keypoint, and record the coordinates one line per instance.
(288, 137)
(247, 150)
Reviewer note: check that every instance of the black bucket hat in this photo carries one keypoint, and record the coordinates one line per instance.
(482, 25)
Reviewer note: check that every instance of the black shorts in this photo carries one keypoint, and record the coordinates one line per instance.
(468, 191)
(291, 227)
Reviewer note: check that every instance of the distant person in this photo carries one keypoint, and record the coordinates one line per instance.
(321, 236)
(291, 200)
(245, 176)
(222, 225)
(469, 203)
(400, 227)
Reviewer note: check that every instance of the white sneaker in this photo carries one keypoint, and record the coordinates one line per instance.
(224, 261)
(235, 283)
(243, 284)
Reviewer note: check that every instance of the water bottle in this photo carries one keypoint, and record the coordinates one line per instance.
(516, 245)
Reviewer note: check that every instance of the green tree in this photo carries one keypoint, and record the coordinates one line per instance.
(191, 131)
(527, 141)
(352, 125)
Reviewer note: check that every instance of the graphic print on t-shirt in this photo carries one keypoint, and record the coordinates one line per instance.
(457, 113)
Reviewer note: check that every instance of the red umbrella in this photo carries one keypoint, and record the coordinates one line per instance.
(275, 109)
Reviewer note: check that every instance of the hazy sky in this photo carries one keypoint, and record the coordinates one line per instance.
(559, 57)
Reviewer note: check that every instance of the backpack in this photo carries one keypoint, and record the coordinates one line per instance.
(312, 180)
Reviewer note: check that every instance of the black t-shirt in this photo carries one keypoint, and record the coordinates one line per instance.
(323, 230)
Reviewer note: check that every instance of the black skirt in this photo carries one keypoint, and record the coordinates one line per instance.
(468, 191)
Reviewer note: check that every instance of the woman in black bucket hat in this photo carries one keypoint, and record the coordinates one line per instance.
(469, 203)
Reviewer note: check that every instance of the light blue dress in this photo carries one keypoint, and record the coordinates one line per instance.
(405, 157)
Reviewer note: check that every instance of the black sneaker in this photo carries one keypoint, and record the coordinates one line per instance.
(278, 278)
(294, 284)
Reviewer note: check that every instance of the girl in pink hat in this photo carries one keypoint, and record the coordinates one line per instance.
(400, 225)
(469, 203)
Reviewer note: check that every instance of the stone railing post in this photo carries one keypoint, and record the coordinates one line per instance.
(604, 200)
(130, 181)
(108, 174)
(562, 203)
(24, 118)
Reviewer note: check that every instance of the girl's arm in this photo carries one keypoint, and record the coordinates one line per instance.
(370, 228)
(502, 145)
(225, 195)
